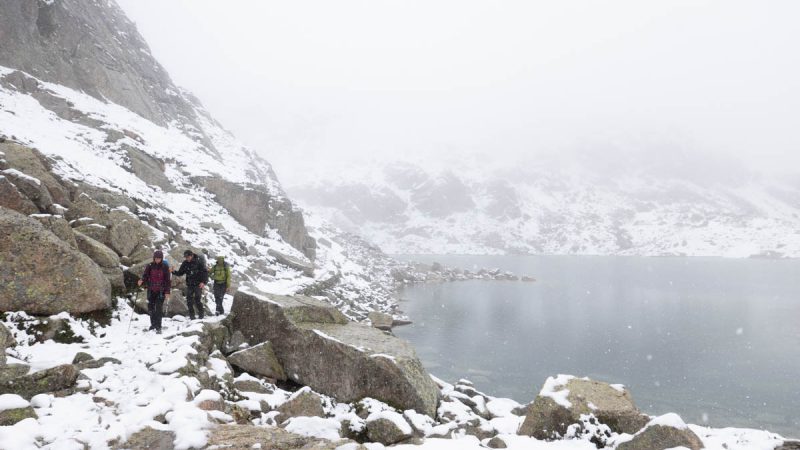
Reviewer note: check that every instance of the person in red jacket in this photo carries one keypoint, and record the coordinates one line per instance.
(157, 277)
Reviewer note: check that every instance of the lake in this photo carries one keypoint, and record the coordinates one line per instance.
(715, 340)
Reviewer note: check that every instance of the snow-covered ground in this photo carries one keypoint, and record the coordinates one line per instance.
(147, 389)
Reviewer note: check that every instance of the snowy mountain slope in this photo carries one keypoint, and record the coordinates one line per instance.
(78, 83)
(470, 207)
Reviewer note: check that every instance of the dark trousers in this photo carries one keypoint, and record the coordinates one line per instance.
(219, 294)
(155, 307)
(193, 294)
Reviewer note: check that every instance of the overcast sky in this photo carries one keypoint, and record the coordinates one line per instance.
(307, 82)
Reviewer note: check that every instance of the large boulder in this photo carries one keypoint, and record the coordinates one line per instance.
(12, 198)
(104, 257)
(295, 263)
(36, 165)
(259, 360)
(318, 347)
(97, 251)
(49, 380)
(31, 188)
(127, 233)
(149, 169)
(84, 206)
(41, 274)
(664, 432)
(58, 226)
(563, 400)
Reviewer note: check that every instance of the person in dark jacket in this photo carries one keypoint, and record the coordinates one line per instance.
(221, 274)
(196, 279)
(157, 277)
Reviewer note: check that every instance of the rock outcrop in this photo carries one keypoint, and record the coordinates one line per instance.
(564, 399)
(255, 207)
(318, 347)
(42, 274)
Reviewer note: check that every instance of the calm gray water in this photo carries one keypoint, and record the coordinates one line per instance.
(715, 340)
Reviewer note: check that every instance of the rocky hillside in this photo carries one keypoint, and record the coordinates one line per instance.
(540, 207)
(99, 145)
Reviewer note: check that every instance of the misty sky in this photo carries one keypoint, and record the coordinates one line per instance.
(312, 82)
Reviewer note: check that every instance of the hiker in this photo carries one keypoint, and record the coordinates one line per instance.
(196, 279)
(221, 274)
(157, 277)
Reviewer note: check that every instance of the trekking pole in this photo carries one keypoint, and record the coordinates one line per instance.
(130, 320)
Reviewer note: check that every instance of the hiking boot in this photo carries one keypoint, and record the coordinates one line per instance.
(158, 330)
(191, 317)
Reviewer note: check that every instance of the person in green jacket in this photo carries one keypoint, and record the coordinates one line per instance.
(221, 274)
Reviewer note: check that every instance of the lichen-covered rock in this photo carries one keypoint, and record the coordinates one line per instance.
(84, 206)
(58, 226)
(97, 251)
(13, 415)
(318, 347)
(48, 380)
(250, 386)
(248, 437)
(11, 371)
(388, 428)
(664, 432)
(303, 403)
(564, 399)
(149, 439)
(12, 198)
(127, 233)
(36, 165)
(41, 274)
(259, 360)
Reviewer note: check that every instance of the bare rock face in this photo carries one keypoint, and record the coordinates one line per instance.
(91, 47)
(255, 207)
(259, 360)
(665, 432)
(318, 347)
(41, 274)
(564, 399)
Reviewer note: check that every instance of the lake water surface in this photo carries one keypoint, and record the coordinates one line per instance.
(715, 340)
